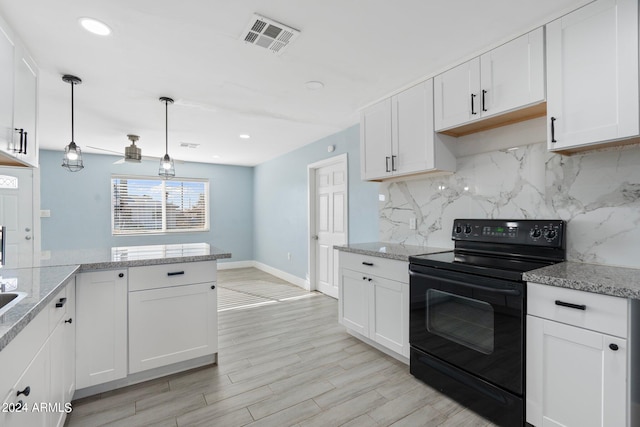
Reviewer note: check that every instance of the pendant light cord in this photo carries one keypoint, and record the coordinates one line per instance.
(166, 126)
(72, 136)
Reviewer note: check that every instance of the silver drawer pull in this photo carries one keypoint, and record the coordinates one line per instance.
(570, 305)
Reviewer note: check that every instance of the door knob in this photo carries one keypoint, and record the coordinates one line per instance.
(27, 229)
(28, 237)
(314, 237)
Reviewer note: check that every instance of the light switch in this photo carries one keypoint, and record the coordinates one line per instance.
(45, 213)
(412, 224)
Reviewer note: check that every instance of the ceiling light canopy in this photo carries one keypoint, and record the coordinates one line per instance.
(314, 85)
(95, 27)
(72, 160)
(167, 170)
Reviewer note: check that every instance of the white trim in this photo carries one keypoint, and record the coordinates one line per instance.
(282, 275)
(311, 210)
(235, 264)
(294, 280)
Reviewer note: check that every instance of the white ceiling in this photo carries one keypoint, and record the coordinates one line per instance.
(191, 50)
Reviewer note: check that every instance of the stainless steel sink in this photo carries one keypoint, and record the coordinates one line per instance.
(10, 299)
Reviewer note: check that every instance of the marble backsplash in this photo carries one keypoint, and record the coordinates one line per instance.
(597, 193)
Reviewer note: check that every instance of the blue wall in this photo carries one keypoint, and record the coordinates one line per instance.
(81, 214)
(280, 202)
(256, 213)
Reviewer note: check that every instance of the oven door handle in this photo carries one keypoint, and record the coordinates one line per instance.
(509, 292)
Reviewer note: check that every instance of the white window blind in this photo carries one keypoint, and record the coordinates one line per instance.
(148, 205)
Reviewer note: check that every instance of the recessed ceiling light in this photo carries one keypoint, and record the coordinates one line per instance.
(94, 26)
(215, 156)
(244, 136)
(314, 85)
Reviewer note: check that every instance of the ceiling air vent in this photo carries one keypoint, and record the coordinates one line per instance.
(269, 34)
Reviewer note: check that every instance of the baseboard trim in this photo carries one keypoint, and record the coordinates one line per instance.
(302, 283)
(235, 264)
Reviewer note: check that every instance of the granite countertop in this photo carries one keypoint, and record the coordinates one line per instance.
(601, 279)
(53, 270)
(40, 285)
(389, 250)
(131, 256)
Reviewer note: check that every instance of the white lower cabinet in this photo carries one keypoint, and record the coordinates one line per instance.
(101, 328)
(576, 376)
(170, 325)
(173, 314)
(42, 351)
(21, 407)
(353, 300)
(375, 306)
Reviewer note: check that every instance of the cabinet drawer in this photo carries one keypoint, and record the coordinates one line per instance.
(601, 313)
(371, 265)
(57, 308)
(165, 275)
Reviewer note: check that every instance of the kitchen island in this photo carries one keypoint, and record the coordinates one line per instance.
(54, 269)
(95, 320)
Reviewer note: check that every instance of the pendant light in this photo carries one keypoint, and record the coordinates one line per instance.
(167, 170)
(72, 160)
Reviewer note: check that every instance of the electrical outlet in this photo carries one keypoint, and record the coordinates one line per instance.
(412, 223)
(45, 213)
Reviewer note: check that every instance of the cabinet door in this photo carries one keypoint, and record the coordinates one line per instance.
(101, 327)
(512, 75)
(389, 314)
(592, 74)
(6, 89)
(62, 344)
(413, 136)
(33, 387)
(375, 141)
(575, 377)
(456, 95)
(353, 304)
(25, 106)
(170, 325)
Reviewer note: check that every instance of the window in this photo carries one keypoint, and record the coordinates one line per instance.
(141, 205)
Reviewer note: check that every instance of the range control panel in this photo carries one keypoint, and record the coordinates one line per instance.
(548, 233)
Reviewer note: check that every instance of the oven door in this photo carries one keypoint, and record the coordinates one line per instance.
(473, 322)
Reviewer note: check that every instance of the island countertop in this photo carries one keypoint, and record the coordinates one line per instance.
(53, 270)
(395, 251)
(131, 256)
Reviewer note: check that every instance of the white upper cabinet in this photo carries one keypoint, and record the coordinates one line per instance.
(19, 102)
(25, 107)
(375, 140)
(592, 75)
(6, 88)
(502, 86)
(397, 136)
(512, 75)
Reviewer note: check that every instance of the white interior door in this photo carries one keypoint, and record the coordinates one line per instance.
(16, 214)
(330, 223)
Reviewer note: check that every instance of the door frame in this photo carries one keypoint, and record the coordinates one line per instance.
(311, 209)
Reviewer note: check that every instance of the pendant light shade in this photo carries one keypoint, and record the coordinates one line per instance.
(72, 160)
(167, 169)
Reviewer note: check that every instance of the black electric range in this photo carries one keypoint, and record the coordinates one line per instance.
(468, 311)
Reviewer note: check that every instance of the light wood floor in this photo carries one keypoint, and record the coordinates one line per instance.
(283, 361)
